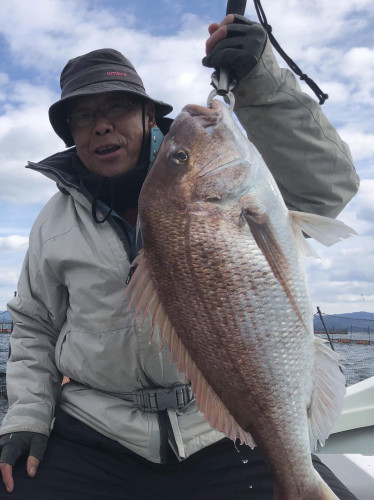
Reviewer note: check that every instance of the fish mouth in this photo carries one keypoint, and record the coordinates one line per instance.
(208, 118)
(217, 119)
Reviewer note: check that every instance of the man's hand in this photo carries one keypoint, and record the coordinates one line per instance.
(237, 42)
(16, 444)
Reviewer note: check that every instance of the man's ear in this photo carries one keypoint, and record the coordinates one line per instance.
(150, 114)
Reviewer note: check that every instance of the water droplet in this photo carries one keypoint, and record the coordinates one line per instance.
(244, 460)
(250, 486)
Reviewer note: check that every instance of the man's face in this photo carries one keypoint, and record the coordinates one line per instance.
(107, 130)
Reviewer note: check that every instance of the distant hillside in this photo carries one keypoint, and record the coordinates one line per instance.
(5, 317)
(358, 321)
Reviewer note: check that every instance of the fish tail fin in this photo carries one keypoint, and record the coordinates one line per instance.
(328, 394)
(325, 230)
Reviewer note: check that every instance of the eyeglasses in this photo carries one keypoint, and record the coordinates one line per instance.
(113, 110)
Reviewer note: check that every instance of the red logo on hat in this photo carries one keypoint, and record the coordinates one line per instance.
(116, 73)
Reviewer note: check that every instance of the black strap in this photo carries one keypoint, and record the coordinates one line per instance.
(295, 68)
(159, 399)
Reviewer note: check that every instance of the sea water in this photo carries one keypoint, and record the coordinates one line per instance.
(358, 358)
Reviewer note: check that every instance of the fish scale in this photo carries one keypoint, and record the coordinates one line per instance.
(223, 261)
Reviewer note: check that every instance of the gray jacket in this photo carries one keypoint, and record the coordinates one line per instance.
(70, 314)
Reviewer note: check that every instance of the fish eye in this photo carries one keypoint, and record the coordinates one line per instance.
(179, 156)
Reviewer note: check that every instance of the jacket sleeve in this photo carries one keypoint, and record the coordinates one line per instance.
(38, 312)
(311, 164)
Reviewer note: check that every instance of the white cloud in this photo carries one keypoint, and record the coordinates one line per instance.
(8, 284)
(13, 243)
(358, 64)
(314, 23)
(59, 29)
(338, 92)
(357, 60)
(8, 276)
(359, 214)
(342, 280)
(343, 275)
(25, 134)
(361, 143)
(365, 209)
(6, 291)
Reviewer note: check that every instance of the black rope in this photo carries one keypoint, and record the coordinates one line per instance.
(295, 68)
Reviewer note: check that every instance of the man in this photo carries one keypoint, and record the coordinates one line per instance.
(126, 425)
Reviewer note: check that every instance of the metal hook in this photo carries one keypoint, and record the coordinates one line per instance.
(223, 87)
(228, 98)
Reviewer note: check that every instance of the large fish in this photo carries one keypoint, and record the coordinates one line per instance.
(222, 274)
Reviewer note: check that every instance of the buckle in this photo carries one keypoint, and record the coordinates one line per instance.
(153, 400)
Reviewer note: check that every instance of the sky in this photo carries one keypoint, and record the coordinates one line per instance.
(331, 40)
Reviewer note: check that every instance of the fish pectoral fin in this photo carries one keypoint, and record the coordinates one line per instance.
(325, 230)
(328, 395)
(259, 225)
(144, 299)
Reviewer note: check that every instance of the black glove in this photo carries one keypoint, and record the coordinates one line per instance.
(22, 443)
(242, 48)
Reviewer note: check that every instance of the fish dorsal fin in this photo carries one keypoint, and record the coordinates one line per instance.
(328, 394)
(323, 229)
(145, 300)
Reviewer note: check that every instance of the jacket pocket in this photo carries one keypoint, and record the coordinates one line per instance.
(106, 361)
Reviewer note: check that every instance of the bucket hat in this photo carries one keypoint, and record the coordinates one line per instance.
(103, 70)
